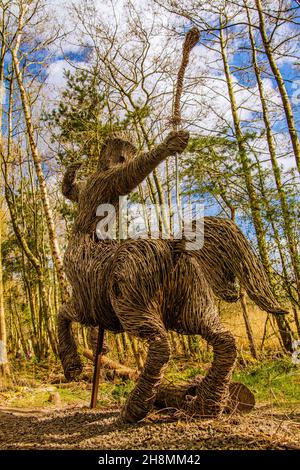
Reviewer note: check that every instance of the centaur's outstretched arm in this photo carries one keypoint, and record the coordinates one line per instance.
(125, 177)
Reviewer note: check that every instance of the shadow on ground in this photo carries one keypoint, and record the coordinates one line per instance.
(98, 429)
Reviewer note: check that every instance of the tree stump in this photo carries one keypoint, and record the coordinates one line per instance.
(55, 399)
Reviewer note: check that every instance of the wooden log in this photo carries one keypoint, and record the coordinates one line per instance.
(118, 369)
(241, 399)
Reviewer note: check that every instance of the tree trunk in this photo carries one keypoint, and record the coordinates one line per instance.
(283, 327)
(253, 199)
(248, 325)
(280, 83)
(34, 262)
(4, 366)
(287, 217)
(55, 251)
(277, 236)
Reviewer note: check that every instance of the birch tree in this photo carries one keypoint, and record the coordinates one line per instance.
(4, 366)
(30, 19)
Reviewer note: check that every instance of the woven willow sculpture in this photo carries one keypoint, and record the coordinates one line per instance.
(146, 287)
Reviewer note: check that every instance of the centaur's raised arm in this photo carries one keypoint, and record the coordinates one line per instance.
(127, 176)
(119, 172)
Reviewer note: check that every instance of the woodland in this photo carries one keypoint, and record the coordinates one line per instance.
(73, 72)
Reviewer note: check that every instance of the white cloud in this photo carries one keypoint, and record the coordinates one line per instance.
(56, 76)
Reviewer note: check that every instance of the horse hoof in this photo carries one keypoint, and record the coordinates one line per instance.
(133, 411)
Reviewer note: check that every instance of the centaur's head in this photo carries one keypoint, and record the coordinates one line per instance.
(118, 148)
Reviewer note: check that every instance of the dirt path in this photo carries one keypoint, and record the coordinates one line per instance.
(79, 428)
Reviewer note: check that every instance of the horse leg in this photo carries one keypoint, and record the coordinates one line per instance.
(141, 399)
(145, 324)
(212, 391)
(92, 339)
(197, 314)
(66, 344)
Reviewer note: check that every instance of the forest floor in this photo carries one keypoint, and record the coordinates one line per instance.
(41, 411)
(82, 428)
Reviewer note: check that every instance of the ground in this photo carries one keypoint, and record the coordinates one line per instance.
(41, 411)
(98, 429)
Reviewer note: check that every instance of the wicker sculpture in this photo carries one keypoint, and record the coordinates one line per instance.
(145, 287)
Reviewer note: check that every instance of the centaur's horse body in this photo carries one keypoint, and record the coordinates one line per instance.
(147, 287)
